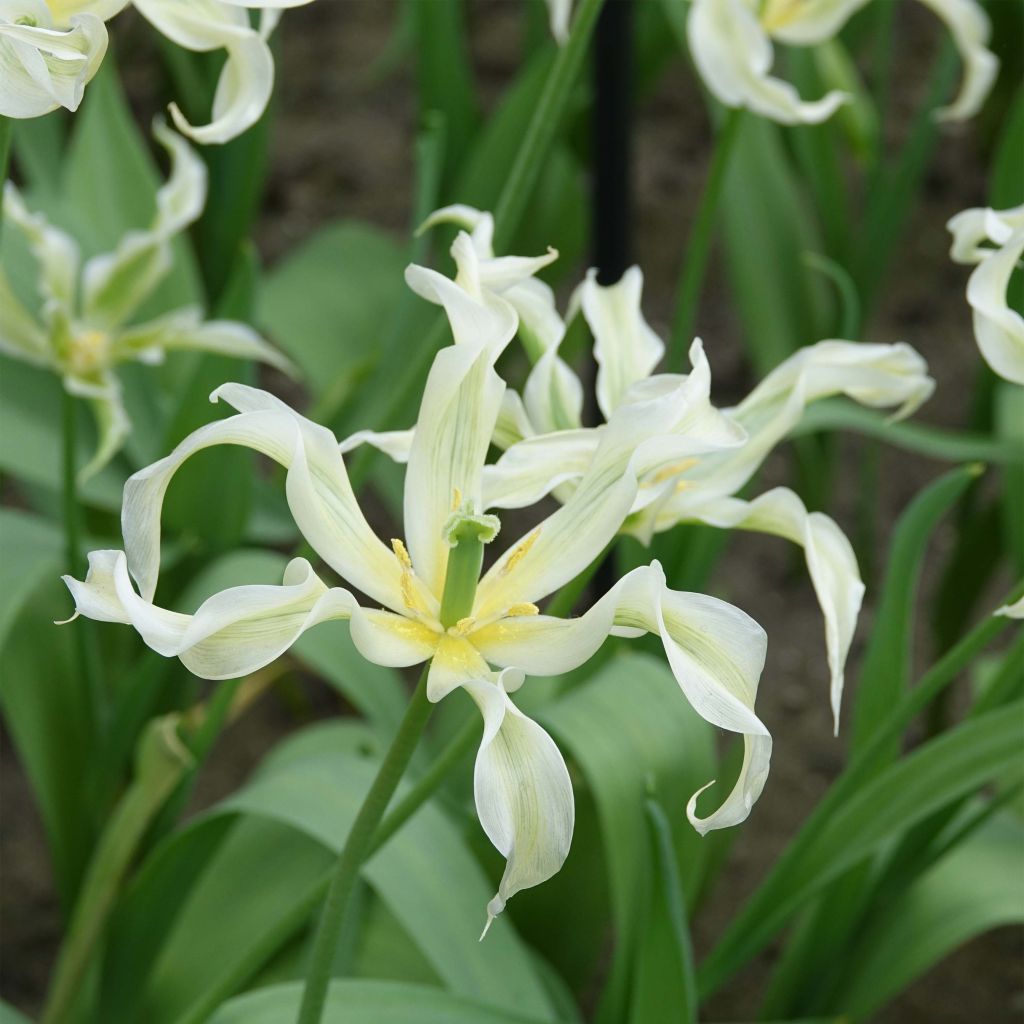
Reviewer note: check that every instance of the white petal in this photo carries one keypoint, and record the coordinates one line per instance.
(225, 337)
(807, 22)
(716, 653)
(231, 634)
(63, 10)
(560, 13)
(971, 228)
(625, 347)
(998, 329)
(830, 561)
(112, 425)
(734, 55)
(453, 431)
(44, 65)
(21, 336)
(522, 788)
(115, 284)
(478, 223)
(1012, 611)
(969, 25)
(319, 495)
(396, 444)
(55, 251)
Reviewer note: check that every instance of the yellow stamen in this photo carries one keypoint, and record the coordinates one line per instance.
(524, 608)
(667, 472)
(401, 553)
(520, 552)
(463, 626)
(683, 485)
(456, 499)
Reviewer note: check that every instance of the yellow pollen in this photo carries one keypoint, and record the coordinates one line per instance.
(683, 485)
(525, 608)
(520, 552)
(89, 351)
(463, 626)
(401, 553)
(456, 499)
(667, 472)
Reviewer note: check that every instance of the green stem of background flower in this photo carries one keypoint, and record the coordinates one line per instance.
(698, 246)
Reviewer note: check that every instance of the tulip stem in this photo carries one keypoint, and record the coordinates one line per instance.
(358, 846)
(698, 246)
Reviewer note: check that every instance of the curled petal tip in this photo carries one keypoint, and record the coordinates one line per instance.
(64, 622)
(487, 927)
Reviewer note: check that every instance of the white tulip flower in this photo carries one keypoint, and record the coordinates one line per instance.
(424, 597)
(998, 329)
(731, 44)
(548, 450)
(49, 51)
(84, 324)
(247, 78)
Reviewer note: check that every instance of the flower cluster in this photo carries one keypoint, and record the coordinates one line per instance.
(664, 455)
(85, 322)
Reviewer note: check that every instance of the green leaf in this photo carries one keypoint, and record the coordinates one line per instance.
(1005, 189)
(885, 673)
(365, 1002)
(626, 728)
(31, 551)
(9, 1015)
(328, 303)
(883, 809)
(976, 887)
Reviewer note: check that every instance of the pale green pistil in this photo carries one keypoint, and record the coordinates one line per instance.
(466, 534)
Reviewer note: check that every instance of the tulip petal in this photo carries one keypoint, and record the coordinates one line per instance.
(716, 653)
(523, 793)
(536, 466)
(560, 12)
(970, 27)
(625, 347)
(318, 490)
(453, 431)
(830, 560)
(42, 65)
(1012, 611)
(115, 284)
(20, 334)
(733, 54)
(232, 633)
(971, 228)
(998, 329)
(103, 393)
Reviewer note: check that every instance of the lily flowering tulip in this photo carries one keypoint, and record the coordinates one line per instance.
(994, 240)
(49, 51)
(731, 44)
(84, 325)
(425, 599)
(247, 78)
(548, 450)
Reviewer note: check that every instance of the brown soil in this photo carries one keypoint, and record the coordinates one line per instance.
(343, 148)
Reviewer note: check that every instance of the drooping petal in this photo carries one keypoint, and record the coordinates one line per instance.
(231, 634)
(43, 64)
(1012, 611)
(103, 393)
(395, 444)
(453, 431)
(185, 329)
(971, 228)
(716, 653)
(247, 78)
(625, 346)
(733, 54)
(318, 490)
(970, 27)
(560, 12)
(830, 561)
(523, 792)
(999, 330)
(663, 421)
(55, 251)
(115, 284)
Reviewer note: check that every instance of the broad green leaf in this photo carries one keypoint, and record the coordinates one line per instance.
(953, 765)
(978, 886)
(627, 727)
(366, 1002)
(328, 304)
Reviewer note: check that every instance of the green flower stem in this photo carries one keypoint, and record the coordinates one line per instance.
(698, 246)
(84, 637)
(160, 763)
(356, 849)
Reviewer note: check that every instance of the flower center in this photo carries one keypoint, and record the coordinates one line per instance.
(776, 14)
(88, 352)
